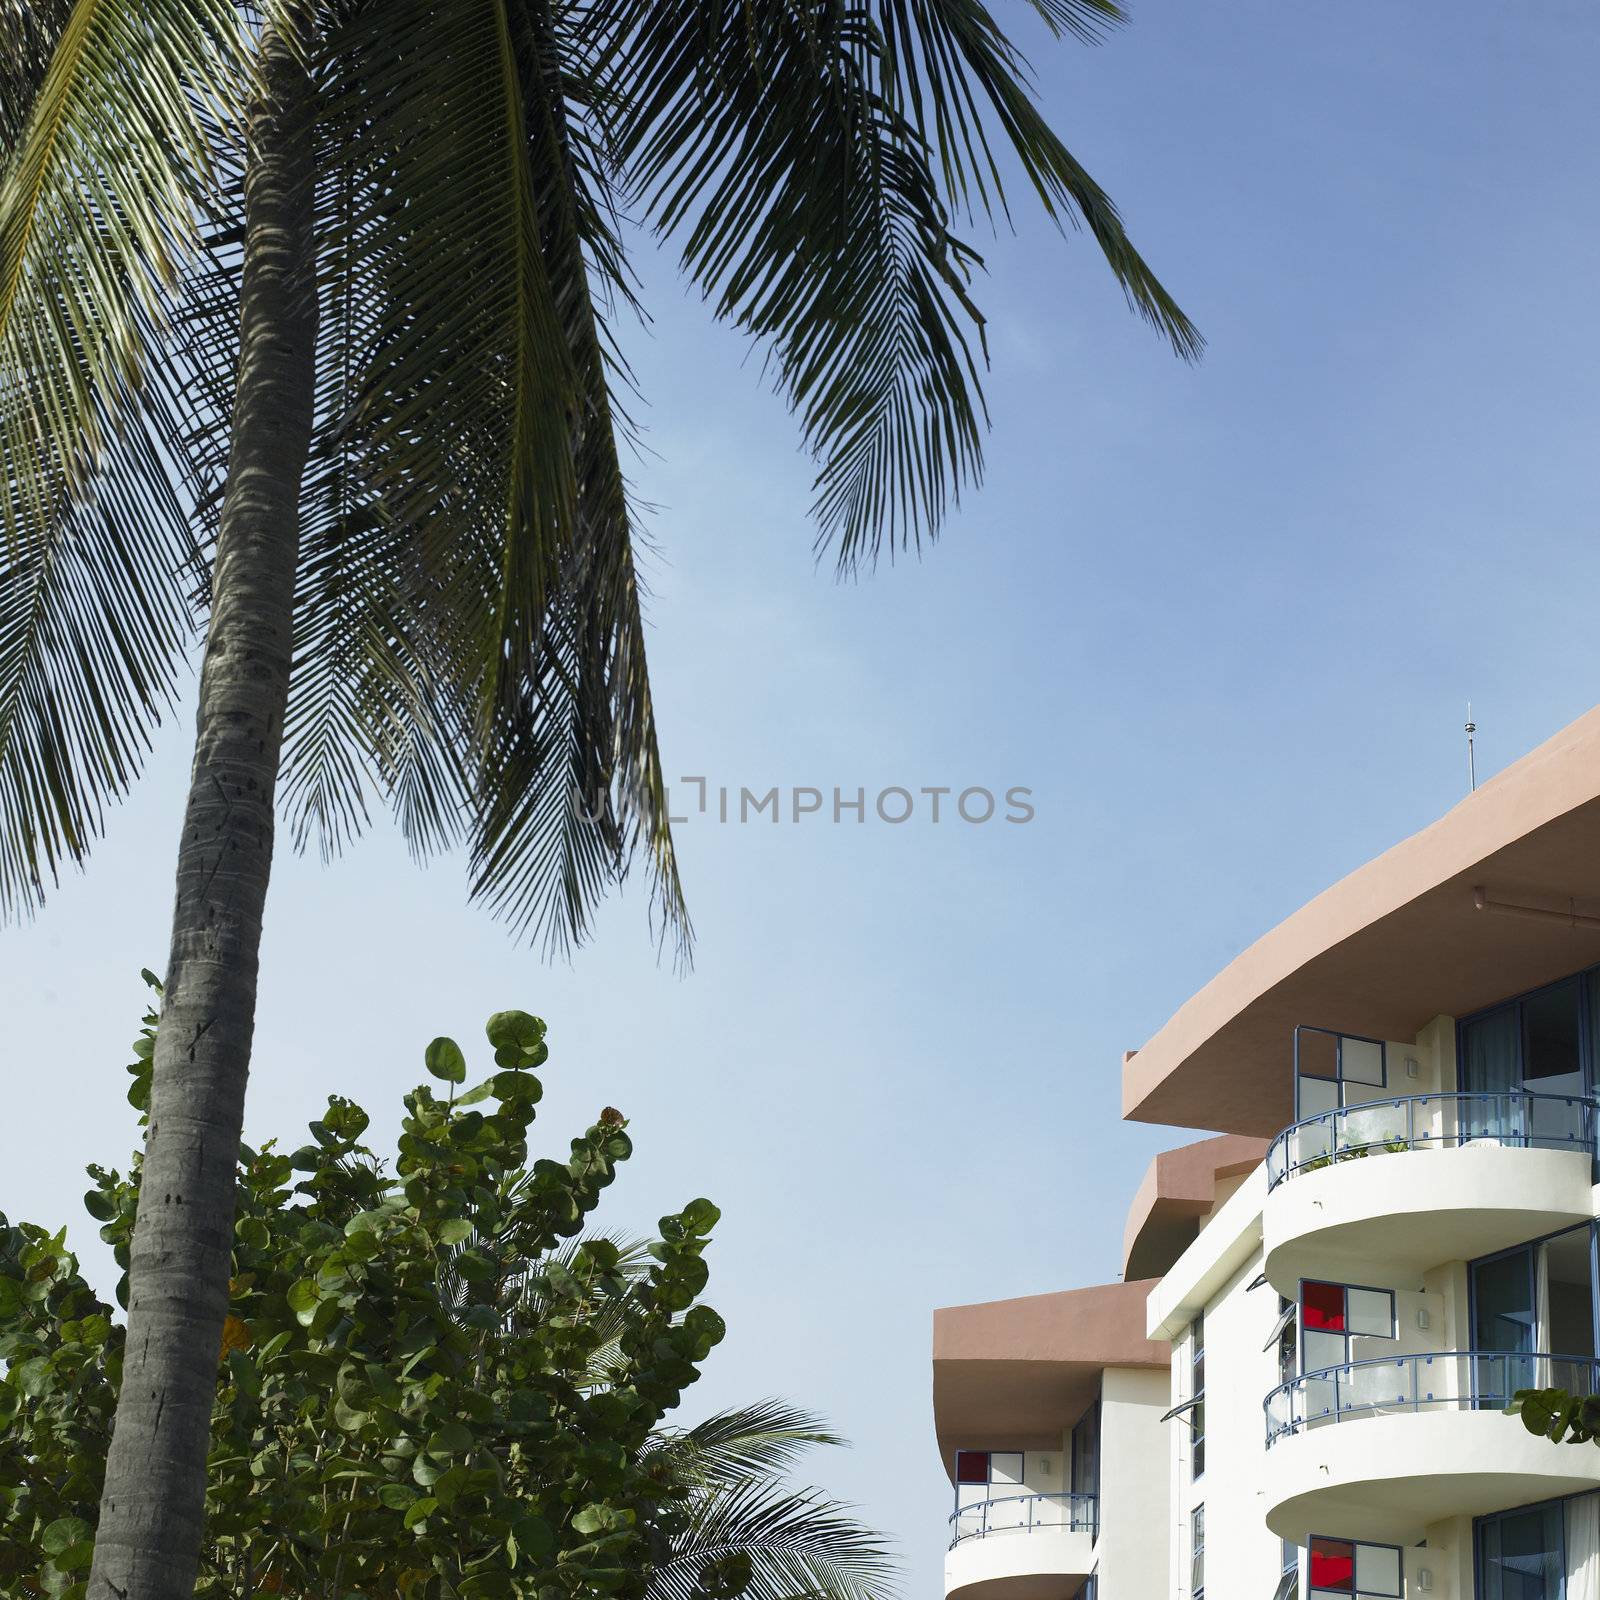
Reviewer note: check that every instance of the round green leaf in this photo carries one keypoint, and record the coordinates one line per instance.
(453, 1439)
(445, 1060)
(303, 1299)
(418, 1510)
(63, 1534)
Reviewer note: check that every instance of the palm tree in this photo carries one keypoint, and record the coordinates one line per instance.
(309, 327)
(746, 1522)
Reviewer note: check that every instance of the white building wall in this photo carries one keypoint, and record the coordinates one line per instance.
(1242, 1557)
(1131, 1555)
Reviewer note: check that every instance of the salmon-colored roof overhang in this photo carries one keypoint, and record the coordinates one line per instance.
(1398, 942)
(1015, 1374)
(1179, 1188)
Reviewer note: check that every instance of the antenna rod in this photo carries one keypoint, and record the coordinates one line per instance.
(1472, 759)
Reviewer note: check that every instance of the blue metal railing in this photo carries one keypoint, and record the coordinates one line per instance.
(1462, 1380)
(1025, 1513)
(1515, 1118)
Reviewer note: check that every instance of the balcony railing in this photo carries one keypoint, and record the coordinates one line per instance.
(1025, 1513)
(1448, 1380)
(1517, 1118)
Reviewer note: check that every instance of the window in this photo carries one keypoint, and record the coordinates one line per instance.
(1344, 1567)
(1333, 1070)
(989, 1467)
(1289, 1583)
(1086, 1452)
(1197, 1391)
(1530, 1304)
(988, 1483)
(1332, 1314)
(1197, 1553)
(1284, 1336)
(1543, 1044)
(1522, 1555)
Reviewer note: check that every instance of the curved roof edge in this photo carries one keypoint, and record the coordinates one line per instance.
(1397, 942)
(1016, 1374)
(1179, 1189)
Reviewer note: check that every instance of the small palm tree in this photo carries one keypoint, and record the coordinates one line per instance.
(747, 1525)
(309, 335)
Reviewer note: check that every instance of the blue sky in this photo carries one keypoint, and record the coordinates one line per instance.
(1222, 621)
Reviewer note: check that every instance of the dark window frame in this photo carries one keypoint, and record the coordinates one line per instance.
(1353, 1592)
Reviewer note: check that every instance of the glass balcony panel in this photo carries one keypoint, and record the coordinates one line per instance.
(1023, 1514)
(1010, 1511)
(1374, 1385)
(1517, 1119)
(1558, 1123)
(1462, 1380)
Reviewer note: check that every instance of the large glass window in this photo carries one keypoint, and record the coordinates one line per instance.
(1534, 1317)
(1347, 1567)
(1522, 1554)
(1541, 1044)
(1086, 1452)
(1503, 1311)
(1565, 1274)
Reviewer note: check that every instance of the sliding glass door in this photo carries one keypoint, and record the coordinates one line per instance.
(1504, 1325)
(1538, 1045)
(1522, 1554)
(1537, 1300)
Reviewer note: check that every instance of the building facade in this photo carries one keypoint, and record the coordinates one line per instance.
(1298, 1387)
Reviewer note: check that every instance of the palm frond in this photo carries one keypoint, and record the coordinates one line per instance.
(808, 159)
(953, 66)
(472, 648)
(101, 238)
(800, 1546)
(763, 1439)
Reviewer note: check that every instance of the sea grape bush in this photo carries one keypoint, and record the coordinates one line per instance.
(427, 1389)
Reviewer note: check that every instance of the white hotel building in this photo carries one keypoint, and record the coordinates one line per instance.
(1297, 1388)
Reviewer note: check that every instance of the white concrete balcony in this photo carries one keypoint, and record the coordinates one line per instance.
(1410, 1182)
(1387, 1447)
(1021, 1547)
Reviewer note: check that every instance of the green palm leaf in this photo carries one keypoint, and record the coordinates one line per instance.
(100, 227)
(798, 1546)
(808, 159)
(765, 1438)
(472, 636)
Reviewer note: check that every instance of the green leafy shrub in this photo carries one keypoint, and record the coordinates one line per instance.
(430, 1387)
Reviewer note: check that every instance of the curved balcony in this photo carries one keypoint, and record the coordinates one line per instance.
(1021, 1547)
(1432, 1443)
(1468, 1173)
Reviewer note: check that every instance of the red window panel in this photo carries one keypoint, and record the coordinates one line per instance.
(972, 1466)
(1333, 1563)
(1322, 1306)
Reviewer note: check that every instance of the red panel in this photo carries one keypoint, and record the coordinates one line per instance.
(972, 1466)
(1333, 1563)
(1322, 1306)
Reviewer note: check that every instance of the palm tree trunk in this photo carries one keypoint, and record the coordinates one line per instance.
(149, 1537)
